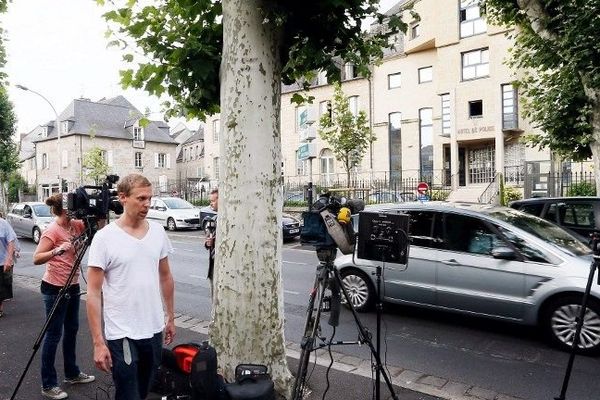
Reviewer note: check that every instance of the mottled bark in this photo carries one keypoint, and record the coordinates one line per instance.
(248, 314)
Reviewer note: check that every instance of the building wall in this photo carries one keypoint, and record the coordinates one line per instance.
(192, 161)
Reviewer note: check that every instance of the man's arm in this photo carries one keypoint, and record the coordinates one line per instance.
(167, 287)
(10, 251)
(102, 357)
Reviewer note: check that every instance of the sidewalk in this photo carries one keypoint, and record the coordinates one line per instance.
(350, 378)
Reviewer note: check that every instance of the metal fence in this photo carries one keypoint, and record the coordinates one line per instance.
(557, 184)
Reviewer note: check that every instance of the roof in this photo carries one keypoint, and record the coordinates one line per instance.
(108, 118)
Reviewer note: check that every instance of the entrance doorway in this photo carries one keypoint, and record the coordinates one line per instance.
(462, 176)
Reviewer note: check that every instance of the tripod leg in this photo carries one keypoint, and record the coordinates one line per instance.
(363, 333)
(311, 329)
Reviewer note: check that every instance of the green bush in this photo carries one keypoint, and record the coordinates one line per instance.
(582, 189)
(511, 194)
(200, 202)
(439, 195)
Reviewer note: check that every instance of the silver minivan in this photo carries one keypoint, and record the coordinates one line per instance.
(495, 262)
(30, 219)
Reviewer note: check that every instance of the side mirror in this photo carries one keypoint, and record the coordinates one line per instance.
(27, 215)
(504, 253)
(161, 208)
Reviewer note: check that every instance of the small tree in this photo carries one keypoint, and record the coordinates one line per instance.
(96, 165)
(347, 134)
(9, 161)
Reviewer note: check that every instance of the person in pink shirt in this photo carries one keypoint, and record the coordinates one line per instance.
(57, 251)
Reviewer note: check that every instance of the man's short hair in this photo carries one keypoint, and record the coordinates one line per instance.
(131, 181)
(214, 191)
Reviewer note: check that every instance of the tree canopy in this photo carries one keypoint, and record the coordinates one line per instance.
(178, 44)
(347, 134)
(557, 49)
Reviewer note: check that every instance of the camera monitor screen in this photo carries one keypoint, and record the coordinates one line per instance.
(383, 237)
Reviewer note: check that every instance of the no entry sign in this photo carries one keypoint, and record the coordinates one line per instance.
(422, 188)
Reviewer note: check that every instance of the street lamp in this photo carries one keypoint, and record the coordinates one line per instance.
(57, 123)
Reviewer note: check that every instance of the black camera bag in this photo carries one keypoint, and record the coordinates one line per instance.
(252, 382)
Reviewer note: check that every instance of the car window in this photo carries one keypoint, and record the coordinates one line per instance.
(42, 210)
(26, 210)
(577, 215)
(551, 214)
(469, 235)
(529, 252)
(177, 204)
(18, 209)
(421, 229)
(535, 209)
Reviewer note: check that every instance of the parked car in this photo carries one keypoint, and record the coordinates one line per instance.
(488, 261)
(174, 213)
(291, 225)
(579, 215)
(30, 219)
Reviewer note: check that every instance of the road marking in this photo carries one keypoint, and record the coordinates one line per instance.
(291, 292)
(292, 262)
(198, 277)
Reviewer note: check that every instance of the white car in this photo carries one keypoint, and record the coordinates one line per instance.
(30, 219)
(174, 213)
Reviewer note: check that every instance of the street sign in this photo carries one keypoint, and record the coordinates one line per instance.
(306, 151)
(422, 188)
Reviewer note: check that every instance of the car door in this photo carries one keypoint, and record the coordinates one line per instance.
(152, 212)
(14, 218)
(28, 220)
(469, 278)
(415, 282)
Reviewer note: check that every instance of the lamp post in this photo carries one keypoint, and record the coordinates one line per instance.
(57, 123)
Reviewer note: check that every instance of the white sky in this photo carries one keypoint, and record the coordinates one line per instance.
(58, 48)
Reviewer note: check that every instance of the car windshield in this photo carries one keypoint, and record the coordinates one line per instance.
(543, 229)
(177, 204)
(42, 210)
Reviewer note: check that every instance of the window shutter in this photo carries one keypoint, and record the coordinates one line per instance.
(109, 158)
(155, 160)
(168, 160)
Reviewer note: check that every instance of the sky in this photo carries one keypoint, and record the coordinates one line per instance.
(58, 48)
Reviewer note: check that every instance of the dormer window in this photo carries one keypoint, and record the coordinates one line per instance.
(138, 133)
(44, 132)
(64, 127)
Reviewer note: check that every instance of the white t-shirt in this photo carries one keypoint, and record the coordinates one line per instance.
(131, 292)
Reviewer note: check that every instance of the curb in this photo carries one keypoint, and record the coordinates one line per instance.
(401, 377)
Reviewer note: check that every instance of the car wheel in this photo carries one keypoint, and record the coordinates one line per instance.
(560, 319)
(36, 234)
(359, 289)
(171, 224)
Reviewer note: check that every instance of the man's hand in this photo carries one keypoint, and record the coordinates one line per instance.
(102, 357)
(169, 331)
(210, 242)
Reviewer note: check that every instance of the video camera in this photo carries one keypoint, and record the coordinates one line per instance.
(94, 202)
(328, 224)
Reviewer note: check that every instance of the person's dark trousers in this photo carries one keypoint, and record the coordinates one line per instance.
(65, 317)
(134, 364)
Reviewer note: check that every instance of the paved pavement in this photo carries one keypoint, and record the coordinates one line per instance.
(350, 377)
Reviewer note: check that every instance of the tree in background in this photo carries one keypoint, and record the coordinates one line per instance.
(347, 134)
(9, 161)
(557, 49)
(96, 167)
(231, 56)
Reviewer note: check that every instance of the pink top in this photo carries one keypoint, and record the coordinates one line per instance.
(59, 267)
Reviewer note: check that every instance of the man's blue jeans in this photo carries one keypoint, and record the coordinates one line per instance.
(134, 364)
(66, 316)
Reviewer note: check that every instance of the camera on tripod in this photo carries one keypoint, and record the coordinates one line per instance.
(328, 224)
(94, 202)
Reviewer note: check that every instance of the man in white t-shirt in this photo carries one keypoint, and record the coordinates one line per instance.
(128, 271)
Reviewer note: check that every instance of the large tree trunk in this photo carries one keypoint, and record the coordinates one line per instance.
(594, 95)
(248, 317)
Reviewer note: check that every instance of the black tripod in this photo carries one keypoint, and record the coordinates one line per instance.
(81, 243)
(593, 267)
(328, 278)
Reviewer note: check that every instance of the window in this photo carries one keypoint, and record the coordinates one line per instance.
(469, 235)
(200, 172)
(197, 152)
(326, 166)
(471, 21)
(44, 131)
(322, 78)
(421, 229)
(301, 117)
(426, 143)
(476, 109)
(529, 252)
(216, 167)
(138, 133)
(32, 163)
(475, 64)
(394, 80)
(185, 154)
(216, 126)
(576, 215)
(138, 160)
(301, 165)
(64, 127)
(509, 107)
(445, 114)
(425, 74)
(349, 71)
(353, 105)
(415, 31)
(44, 161)
(162, 160)
(65, 159)
(395, 143)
